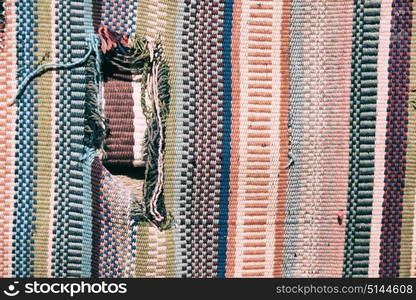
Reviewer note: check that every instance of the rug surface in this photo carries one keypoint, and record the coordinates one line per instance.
(207, 138)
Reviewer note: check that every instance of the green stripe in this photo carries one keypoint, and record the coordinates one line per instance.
(362, 137)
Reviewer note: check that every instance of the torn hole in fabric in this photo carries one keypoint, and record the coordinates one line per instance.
(138, 64)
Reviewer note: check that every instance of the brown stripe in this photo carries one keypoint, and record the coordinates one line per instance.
(96, 170)
(118, 95)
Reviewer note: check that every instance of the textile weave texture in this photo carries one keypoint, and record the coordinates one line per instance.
(207, 138)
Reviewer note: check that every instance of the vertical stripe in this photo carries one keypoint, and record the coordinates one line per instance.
(397, 127)
(156, 19)
(320, 139)
(225, 171)
(409, 196)
(310, 159)
(413, 256)
(380, 142)
(78, 46)
(169, 49)
(62, 39)
(25, 144)
(44, 133)
(295, 134)
(235, 141)
(71, 88)
(96, 171)
(362, 136)
(8, 123)
(284, 139)
(256, 148)
(53, 148)
(207, 71)
(335, 140)
(139, 122)
(88, 157)
(181, 183)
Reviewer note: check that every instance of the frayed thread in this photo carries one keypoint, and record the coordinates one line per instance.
(51, 67)
(96, 125)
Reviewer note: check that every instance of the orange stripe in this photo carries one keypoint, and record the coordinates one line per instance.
(255, 198)
(262, 144)
(257, 205)
(257, 274)
(257, 236)
(253, 229)
(261, 15)
(256, 167)
(256, 191)
(235, 140)
(255, 267)
(284, 139)
(260, 102)
(259, 62)
(255, 245)
(259, 127)
(260, 31)
(261, 6)
(260, 86)
(259, 47)
(255, 213)
(258, 159)
(256, 222)
(258, 135)
(254, 260)
(259, 119)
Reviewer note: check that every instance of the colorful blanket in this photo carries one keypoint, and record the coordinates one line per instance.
(212, 138)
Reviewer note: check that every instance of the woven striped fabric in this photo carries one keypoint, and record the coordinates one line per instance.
(196, 138)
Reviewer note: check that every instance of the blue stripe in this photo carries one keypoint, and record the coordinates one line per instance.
(226, 139)
(25, 180)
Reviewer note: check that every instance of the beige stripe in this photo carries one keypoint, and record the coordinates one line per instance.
(413, 258)
(306, 260)
(44, 85)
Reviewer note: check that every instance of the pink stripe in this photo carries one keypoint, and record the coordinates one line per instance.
(336, 80)
(7, 138)
(324, 158)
